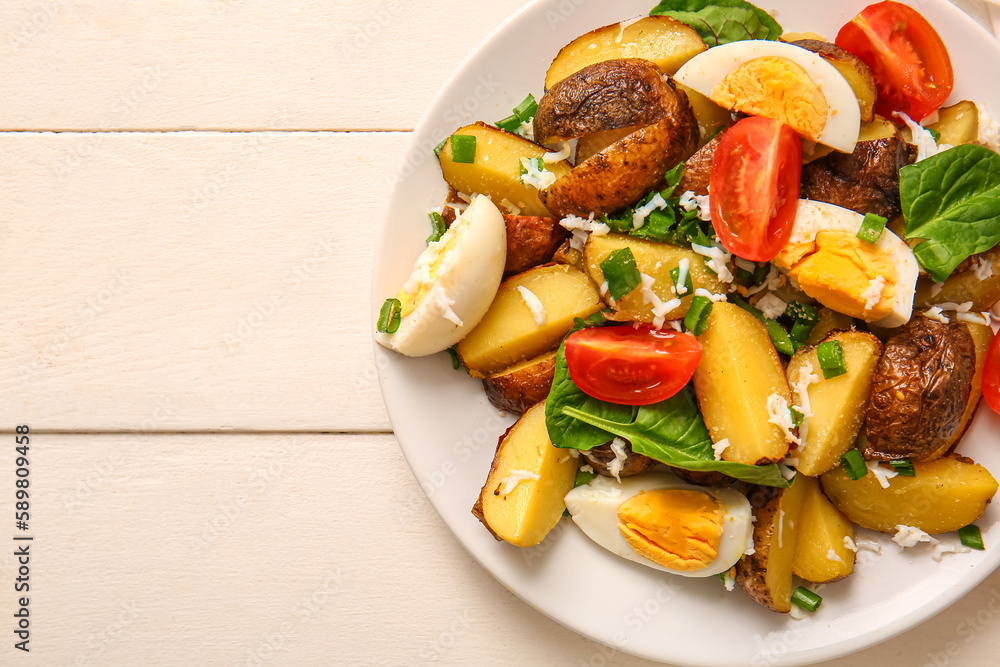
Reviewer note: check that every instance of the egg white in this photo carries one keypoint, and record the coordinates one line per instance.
(470, 259)
(843, 120)
(812, 217)
(594, 508)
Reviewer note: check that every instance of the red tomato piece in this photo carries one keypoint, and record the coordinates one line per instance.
(754, 187)
(991, 375)
(907, 57)
(631, 365)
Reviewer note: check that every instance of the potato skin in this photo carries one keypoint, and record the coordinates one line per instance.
(920, 390)
(604, 96)
(601, 457)
(703, 477)
(698, 168)
(751, 570)
(531, 241)
(517, 389)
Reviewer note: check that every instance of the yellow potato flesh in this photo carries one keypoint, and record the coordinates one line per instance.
(739, 369)
(821, 528)
(838, 404)
(661, 39)
(496, 170)
(946, 494)
(829, 320)
(958, 124)
(962, 287)
(508, 332)
(710, 116)
(656, 260)
(525, 515)
(787, 522)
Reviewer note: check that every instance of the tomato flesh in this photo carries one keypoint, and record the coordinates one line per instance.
(754, 187)
(907, 57)
(991, 375)
(631, 365)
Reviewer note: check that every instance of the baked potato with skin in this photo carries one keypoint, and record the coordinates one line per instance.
(964, 285)
(625, 171)
(982, 336)
(698, 168)
(590, 145)
(517, 388)
(567, 254)
(600, 459)
(531, 241)
(608, 95)
(854, 70)
(920, 390)
(703, 477)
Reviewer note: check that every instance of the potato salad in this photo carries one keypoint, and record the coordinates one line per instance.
(740, 286)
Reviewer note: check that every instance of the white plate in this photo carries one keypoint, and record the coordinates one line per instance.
(448, 430)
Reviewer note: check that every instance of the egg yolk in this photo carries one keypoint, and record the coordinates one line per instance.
(679, 529)
(778, 88)
(843, 273)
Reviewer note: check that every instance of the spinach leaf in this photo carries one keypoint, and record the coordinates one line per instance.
(674, 433)
(722, 21)
(952, 201)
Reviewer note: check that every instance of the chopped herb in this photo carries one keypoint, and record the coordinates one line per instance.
(797, 416)
(456, 361)
(582, 478)
(438, 227)
(904, 467)
(806, 599)
(872, 228)
(675, 274)
(527, 109)
(440, 147)
(854, 464)
(780, 338)
(760, 274)
(696, 319)
(971, 537)
(621, 273)
(510, 123)
(801, 312)
(389, 316)
(935, 134)
(831, 358)
(463, 148)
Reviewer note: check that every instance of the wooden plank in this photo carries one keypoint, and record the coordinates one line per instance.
(191, 281)
(232, 64)
(232, 549)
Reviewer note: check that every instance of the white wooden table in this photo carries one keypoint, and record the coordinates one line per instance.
(189, 192)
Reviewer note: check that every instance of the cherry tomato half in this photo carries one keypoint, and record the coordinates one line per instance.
(631, 365)
(991, 375)
(909, 60)
(754, 187)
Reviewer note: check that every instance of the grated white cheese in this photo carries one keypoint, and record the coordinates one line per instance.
(509, 205)
(779, 414)
(832, 555)
(975, 318)
(515, 477)
(942, 548)
(935, 314)
(719, 447)
(586, 467)
(771, 305)
(936, 288)
(869, 545)
(801, 389)
(717, 260)
(883, 475)
(745, 264)
(642, 212)
(689, 201)
(797, 613)
(922, 139)
(605, 292)
(464, 197)
(618, 449)
(989, 130)
(773, 281)
(909, 536)
(581, 228)
(849, 544)
(440, 298)
(559, 155)
(984, 267)
(676, 325)
(534, 303)
(683, 267)
(728, 581)
(660, 308)
(701, 291)
(526, 130)
(785, 471)
(536, 175)
(873, 294)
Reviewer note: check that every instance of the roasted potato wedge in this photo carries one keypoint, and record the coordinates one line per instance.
(590, 145)
(567, 254)
(703, 477)
(656, 260)
(821, 555)
(958, 124)
(964, 286)
(602, 459)
(623, 172)
(517, 388)
(508, 333)
(982, 336)
(920, 390)
(838, 404)
(698, 169)
(608, 95)
(766, 575)
(522, 510)
(946, 494)
(854, 70)
(829, 320)
(531, 241)
(739, 370)
(660, 39)
(496, 170)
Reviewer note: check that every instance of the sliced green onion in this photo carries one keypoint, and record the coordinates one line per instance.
(904, 467)
(456, 361)
(527, 109)
(696, 319)
(831, 358)
(971, 537)
(582, 478)
(463, 148)
(760, 274)
(510, 123)
(440, 147)
(675, 274)
(806, 599)
(854, 464)
(872, 228)
(800, 332)
(797, 417)
(802, 312)
(782, 343)
(621, 273)
(743, 277)
(935, 134)
(438, 227)
(389, 316)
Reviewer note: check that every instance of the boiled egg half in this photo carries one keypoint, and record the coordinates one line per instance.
(780, 81)
(871, 282)
(452, 284)
(657, 520)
